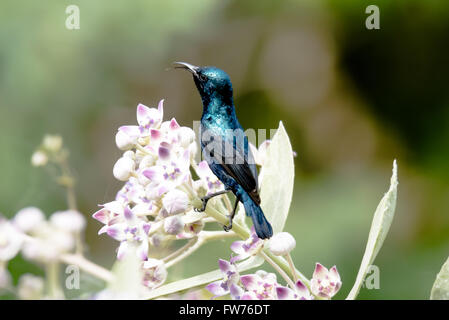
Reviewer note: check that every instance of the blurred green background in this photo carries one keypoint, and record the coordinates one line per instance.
(352, 100)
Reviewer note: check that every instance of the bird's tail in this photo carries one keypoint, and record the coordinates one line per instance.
(261, 225)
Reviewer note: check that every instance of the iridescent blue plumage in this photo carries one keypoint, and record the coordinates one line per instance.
(225, 146)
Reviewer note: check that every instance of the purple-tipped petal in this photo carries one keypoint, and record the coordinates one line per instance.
(116, 232)
(224, 265)
(320, 271)
(237, 247)
(143, 113)
(216, 289)
(128, 214)
(130, 131)
(146, 228)
(333, 273)
(160, 107)
(101, 215)
(249, 281)
(142, 250)
(150, 173)
(248, 296)
(236, 292)
(155, 134)
(164, 152)
(174, 124)
(238, 258)
(284, 293)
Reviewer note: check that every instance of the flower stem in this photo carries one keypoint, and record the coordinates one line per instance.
(187, 252)
(53, 289)
(177, 252)
(292, 266)
(87, 266)
(193, 245)
(278, 269)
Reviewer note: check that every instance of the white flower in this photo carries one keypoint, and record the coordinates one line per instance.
(230, 277)
(39, 159)
(28, 219)
(48, 243)
(261, 285)
(325, 283)
(52, 143)
(175, 201)
(282, 243)
(129, 230)
(208, 179)
(11, 240)
(123, 168)
(247, 248)
(173, 225)
(149, 117)
(30, 287)
(154, 273)
(69, 220)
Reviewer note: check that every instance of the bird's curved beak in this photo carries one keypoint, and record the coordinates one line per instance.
(187, 66)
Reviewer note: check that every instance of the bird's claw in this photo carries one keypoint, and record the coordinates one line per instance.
(203, 207)
(229, 227)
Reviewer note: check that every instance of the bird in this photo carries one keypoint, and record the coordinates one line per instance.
(225, 146)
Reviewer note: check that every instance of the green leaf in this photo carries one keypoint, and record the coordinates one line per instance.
(379, 228)
(440, 289)
(277, 178)
(202, 279)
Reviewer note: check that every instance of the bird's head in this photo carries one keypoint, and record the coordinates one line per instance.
(210, 81)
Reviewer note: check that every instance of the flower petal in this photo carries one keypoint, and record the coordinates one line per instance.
(284, 293)
(216, 289)
(320, 271)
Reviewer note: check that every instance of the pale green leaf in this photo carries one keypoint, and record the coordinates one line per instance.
(440, 289)
(202, 279)
(277, 178)
(379, 228)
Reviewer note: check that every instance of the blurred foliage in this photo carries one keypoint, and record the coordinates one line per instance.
(351, 99)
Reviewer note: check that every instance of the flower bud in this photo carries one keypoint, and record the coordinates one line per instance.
(154, 273)
(28, 219)
(52, 143)
(5, 278)
(30, 287)
(186, 136)
(39, 159)
(282, 243)
(175, 201)
(147, 161)
(69, 220)
(123, 168)
(129, 154)
(11, 240)
(123, 141)
(173, 225)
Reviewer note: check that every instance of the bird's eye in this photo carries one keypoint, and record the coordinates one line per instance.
(202, 77)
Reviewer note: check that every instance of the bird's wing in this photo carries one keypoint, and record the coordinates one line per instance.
(234, 155)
